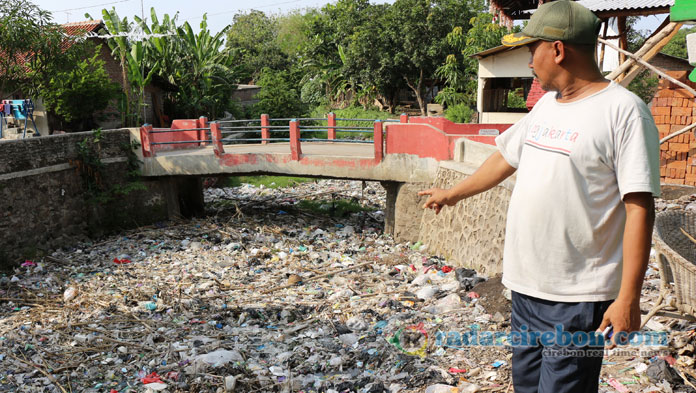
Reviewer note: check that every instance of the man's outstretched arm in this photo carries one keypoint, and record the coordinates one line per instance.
(493, 171)
(624, 313)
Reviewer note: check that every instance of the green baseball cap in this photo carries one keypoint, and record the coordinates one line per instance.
(560, 20)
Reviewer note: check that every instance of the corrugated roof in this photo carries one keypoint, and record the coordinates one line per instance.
(522, 9)
(622, 5)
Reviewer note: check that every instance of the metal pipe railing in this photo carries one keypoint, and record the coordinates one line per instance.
(338, 128)
(299, 119)
(370, 120)
(256, 139)
(350, 130)
(161, 131)
(219, 132)
(239, 121)
(335, 140)
(181, 142)
(242, 127)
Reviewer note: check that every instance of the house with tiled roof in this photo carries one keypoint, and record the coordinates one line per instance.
(153, 94)
(110, 118)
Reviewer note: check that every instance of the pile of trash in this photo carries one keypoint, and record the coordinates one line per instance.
(683, 198)
(268, 293)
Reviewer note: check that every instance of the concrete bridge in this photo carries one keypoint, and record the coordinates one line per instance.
(405, 155)
(61, 188)
(404, 150)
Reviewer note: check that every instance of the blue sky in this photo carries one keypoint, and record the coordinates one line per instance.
(220, 13)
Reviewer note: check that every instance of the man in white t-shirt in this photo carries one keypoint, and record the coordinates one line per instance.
(580, 218)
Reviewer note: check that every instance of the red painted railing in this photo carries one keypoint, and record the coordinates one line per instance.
(187, 134)
(183, 134)
(421, 136)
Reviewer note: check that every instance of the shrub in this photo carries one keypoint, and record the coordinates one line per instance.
(460, 113)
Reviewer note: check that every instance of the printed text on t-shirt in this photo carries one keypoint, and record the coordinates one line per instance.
(551, 140)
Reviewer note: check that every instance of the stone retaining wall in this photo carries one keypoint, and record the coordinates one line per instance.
(472, 233)
(43, 203)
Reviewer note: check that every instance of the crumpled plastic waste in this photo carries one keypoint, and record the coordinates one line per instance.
(246, 299)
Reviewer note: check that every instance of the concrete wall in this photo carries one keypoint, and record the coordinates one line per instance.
(470, 234)
(43, 204)
(404, 210)
(500, 117)
(506, 64)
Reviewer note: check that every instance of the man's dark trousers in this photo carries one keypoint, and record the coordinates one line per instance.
(537, 368)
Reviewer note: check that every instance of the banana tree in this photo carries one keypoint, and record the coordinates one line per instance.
(131, 55)
(163, 44)
(206, 78)
(138, 78)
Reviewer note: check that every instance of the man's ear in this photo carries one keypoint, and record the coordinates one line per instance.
(559, 51)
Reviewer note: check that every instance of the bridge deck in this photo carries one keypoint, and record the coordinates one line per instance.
(335, 149)
(325, 159)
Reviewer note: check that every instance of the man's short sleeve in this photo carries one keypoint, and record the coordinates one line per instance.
(637, 159)
(511, 141)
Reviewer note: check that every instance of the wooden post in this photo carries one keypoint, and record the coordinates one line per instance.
(378, 139)
(403, 118)
(295, 148)
(623, 39)
(145, 140)
(265, 132)
(216, 136)
(601, 51)
(331, 120)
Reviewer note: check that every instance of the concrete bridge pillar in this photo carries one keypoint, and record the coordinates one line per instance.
(184, 196)
(404, 210)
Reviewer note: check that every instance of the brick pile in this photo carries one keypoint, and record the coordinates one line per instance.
(535, 94)
(673, 109)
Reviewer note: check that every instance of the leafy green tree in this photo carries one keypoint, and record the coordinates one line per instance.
(255, 35)
(74, 95)
(677, 45)
(417, 30)
(644, 85)
(163, 47)
(460, 70)
(293, 32)
(369, 62)
(278, 96)
(323, 55)
(199, 66)
(459, 113)
(29, 40)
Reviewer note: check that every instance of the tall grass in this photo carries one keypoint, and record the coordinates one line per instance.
(266, 181)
